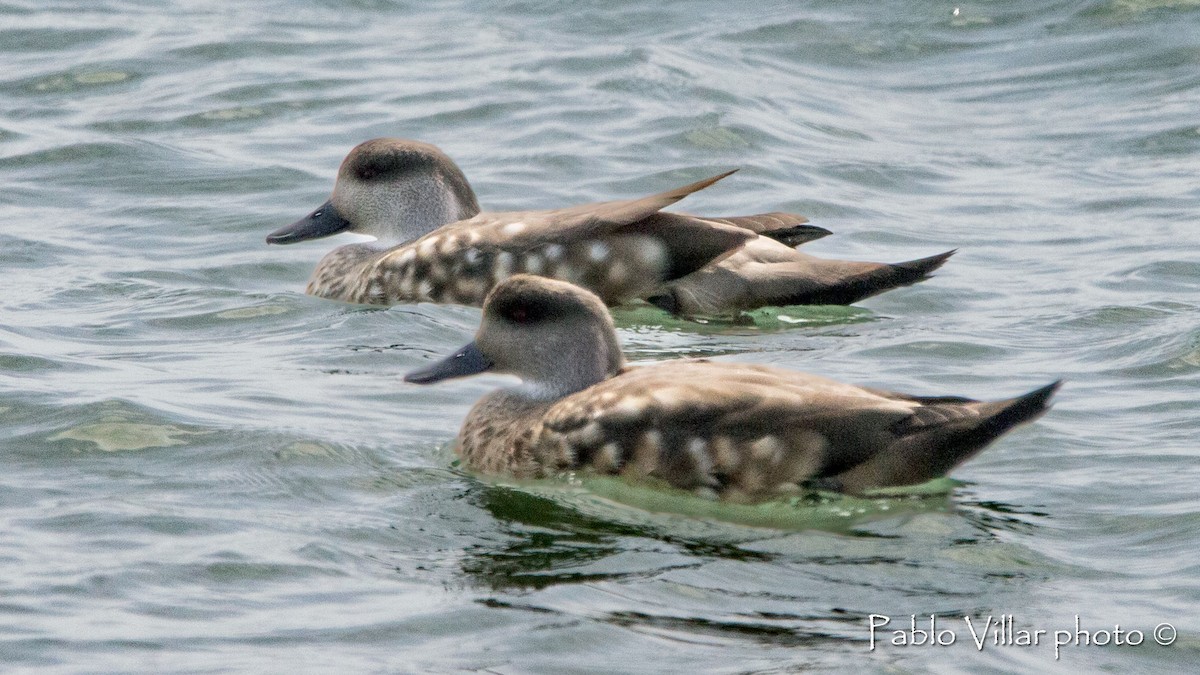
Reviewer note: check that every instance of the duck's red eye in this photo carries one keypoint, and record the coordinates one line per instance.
(521, 312)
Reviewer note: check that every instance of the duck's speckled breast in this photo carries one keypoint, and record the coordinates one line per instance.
(340, 273)
(502, 435)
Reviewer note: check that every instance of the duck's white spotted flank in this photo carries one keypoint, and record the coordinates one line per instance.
(533, 263)
(597, 251)
(502, 267)
(553, 252)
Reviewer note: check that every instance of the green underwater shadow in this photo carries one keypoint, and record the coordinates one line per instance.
(652, 506)
(765, 319)
(568, 530)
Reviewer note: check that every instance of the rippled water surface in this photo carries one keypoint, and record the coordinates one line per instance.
(204, 470)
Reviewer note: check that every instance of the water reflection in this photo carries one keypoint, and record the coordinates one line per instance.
(551, 543)
(555, 535)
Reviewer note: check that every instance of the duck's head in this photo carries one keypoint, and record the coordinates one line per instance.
(557, 337)
(391, 189)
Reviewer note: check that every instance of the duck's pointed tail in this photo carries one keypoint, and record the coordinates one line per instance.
(912, 271)
(841, 288)
(963, 438)
(889, 276)
(941, 434)
(1000, 416)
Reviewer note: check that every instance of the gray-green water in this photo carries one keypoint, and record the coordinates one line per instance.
(203, 470)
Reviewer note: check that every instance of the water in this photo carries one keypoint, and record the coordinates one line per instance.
(204, 470)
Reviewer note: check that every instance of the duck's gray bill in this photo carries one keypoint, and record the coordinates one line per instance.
(466, 361)
(323, 222)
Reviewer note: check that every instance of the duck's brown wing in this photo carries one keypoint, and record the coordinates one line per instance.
(750, 432)
(615, 249)
(746, 432)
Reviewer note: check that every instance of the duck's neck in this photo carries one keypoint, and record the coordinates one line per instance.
(573, 371)
(549, 392)
(424, 206)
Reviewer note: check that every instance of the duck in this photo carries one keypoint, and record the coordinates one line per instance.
(730, 431)
(433, 243)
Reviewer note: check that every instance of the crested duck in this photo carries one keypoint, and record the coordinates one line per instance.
(434, 244)
(733, 431)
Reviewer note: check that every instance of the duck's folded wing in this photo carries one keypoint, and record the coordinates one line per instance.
(585, 220)
(626, 212)
(619, 250)
(742, 431)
